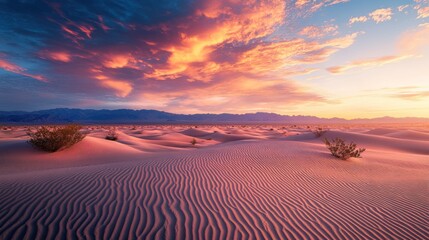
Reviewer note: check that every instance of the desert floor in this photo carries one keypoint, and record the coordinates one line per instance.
(236, 182)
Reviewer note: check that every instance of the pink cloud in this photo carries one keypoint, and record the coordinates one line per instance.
(118, 60)
(121, 88)
(10, 67)
(381, 15)
(423, 12)
(319, 32)
(60, 56)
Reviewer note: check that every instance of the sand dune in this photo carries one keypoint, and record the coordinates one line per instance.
(241, 189)
(383, 142)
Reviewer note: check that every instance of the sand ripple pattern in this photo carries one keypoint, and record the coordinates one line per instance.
(232, 191)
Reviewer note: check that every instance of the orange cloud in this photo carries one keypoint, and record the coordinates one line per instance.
(118, 60)
(412, 93)
(60, 56)
(414, 96)
(423, 12)
(252, 21)
(121, 88)
(10, 67)
(380, 61)
(72, 29)
(301, 3)
(278, 58)
(76, 32)
(318, 32)
(381, 15)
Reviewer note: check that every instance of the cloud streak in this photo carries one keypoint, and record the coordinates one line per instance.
(365, 63)
(13, 68)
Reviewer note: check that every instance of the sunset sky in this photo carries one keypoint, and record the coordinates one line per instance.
(327, 58)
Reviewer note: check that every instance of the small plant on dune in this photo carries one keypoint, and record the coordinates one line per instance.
(193, 142)
(342, 150)
(112, 135)
(318, 132)
(54, 138)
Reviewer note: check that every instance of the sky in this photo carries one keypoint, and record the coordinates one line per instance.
(326, 58)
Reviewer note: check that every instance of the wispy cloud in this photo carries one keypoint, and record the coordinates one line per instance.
(358, 19)
(413, 96)
(372, 62)
(319, 32)
(10, 67)
(409, 93)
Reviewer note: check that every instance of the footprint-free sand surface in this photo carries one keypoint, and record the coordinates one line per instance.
(237, 182)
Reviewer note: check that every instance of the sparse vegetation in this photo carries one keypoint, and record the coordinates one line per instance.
(112, 135)
(318, 132)
(55, 138)
(194, 141)
(342, 150)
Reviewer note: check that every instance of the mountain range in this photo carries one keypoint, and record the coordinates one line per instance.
(129, 116)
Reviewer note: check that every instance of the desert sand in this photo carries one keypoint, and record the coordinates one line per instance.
(236, 182)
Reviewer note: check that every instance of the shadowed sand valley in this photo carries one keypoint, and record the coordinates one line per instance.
(235, 182)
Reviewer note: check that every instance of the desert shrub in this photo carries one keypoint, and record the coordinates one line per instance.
(193, 142)
(342, 150)
(54, 138)
(318, 132)
(112, 135)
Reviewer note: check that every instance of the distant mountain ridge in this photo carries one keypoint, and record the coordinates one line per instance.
(124, 116)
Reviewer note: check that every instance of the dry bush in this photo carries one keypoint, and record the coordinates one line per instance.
(193, 142)
(112, 135)
(342, 150)
(54, 138)
(318, 132)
